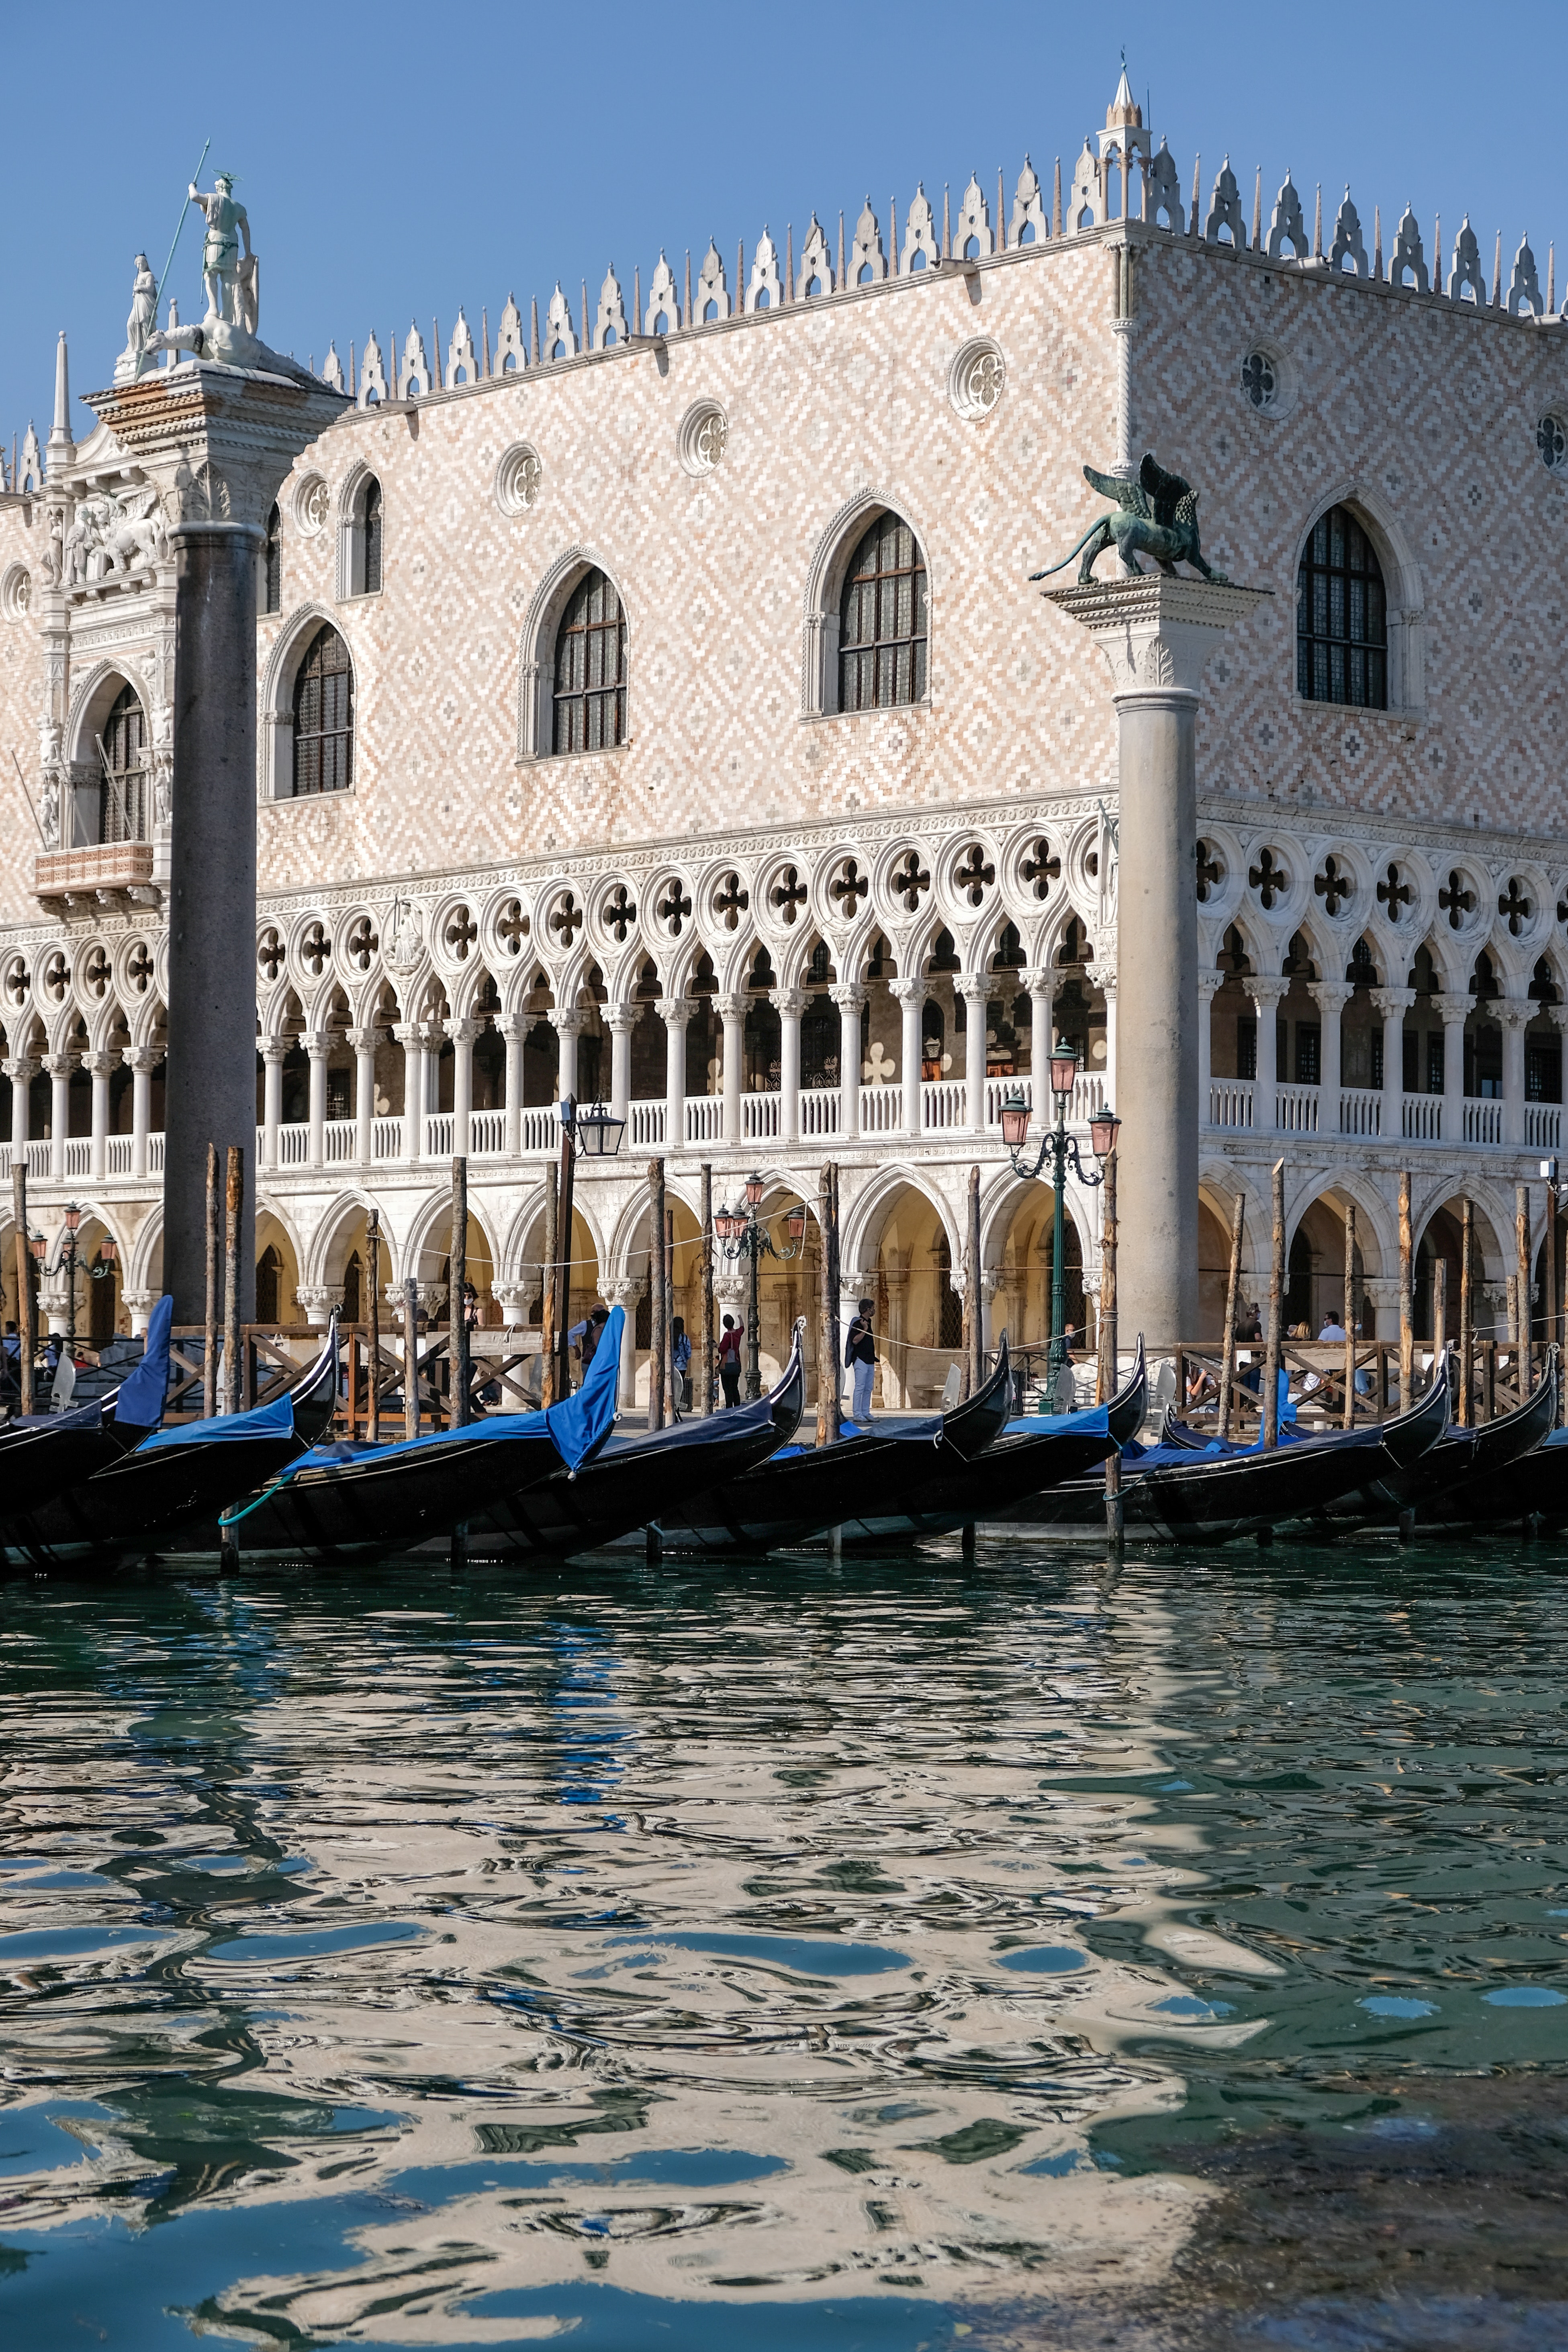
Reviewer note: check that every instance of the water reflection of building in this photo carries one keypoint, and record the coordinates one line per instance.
(615, 1973)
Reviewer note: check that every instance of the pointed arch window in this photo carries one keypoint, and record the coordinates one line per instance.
(324, 716)
(591, 669)
(122, 789)
(882, 627)
(272, 564)
(1342, 616)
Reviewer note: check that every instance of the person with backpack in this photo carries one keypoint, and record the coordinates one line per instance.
(860, 1363)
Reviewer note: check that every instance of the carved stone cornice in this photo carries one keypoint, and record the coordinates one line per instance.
(1156, 633)
(216, 442)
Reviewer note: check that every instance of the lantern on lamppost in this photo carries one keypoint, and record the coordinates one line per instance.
(740, 1233)
(1061, 1149)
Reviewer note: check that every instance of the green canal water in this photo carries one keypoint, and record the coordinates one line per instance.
(1030, 1951)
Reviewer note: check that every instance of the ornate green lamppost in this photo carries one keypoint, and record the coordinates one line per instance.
(1061, 1149)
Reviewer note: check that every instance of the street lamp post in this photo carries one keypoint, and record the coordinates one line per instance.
(597, 1134)
(740, 1233)
(65, 1261)
(1061, 1149)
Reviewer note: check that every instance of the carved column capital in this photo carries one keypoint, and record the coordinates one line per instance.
(619, 1019)
(731, 1006)
(1391, 1002)
(849, 995)
(907, 992)
(1209, 985)
(363, 1041)
(1514, 1011)
(1330, 996)
(1450, 1008)
(675, 1012)
(1265, 988)
(462, 1032)
(317, 1044)
(789, 1003)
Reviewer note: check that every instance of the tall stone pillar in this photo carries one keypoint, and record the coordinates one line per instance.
(216, 442)
(1331, 997)
(789, 1003)
(1514, 1013)
(1156, 635)
(910, 997)
(1453, 1012)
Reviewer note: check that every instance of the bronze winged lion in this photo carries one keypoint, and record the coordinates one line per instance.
(1156, 515)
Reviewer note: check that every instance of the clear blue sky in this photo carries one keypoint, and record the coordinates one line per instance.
(400, 160)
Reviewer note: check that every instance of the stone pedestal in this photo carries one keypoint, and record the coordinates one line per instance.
(1156, 635)
(216, 442)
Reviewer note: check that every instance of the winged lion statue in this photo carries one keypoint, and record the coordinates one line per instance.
(1156, 515)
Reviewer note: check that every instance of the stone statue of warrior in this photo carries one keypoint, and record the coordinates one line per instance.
(220, 254)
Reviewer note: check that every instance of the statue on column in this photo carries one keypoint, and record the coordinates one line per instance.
(221, 263)
(140, 325)
(1157, 515)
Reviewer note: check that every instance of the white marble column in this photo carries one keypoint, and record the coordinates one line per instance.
(364, 1042)
(1331, 997)
(1041, 982)
(410, 1035)
(139, 1306)
(273, 1049)
(789, 1003)
(21, 1073)
(910, 996)
(568, 1029)
(462, 1035)
(59, 1068)
(1156, 633)
(318, 1045)
(675, 1012)
(142, 1059)
(624, 1293)
(1105, 975)
(1265, 990)
(512, 1028)
(971, 986)
(851, 999)
(1453, 1012)
(1514, 1013)
(733, 1012)
(1209, 986)
(1394, 1003)
(101, 1068)
(621, 1020)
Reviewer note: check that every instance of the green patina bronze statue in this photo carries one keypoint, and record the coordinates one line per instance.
(1156, 515)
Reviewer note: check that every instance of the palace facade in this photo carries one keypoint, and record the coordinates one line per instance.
(654, 706)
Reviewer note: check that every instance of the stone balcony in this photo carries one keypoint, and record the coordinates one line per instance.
(1371, 1114)
(102, 875)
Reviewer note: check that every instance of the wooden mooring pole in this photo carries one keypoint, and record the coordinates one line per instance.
(658, 1305)
(1466, 1308)
(1276, 1313)
(373, 1391)
(26, 1303)
(210, 1321)
(1114, 1506)
(1347, 1416)
(1406, 1331)
(1232, 1309)
(234, 1206)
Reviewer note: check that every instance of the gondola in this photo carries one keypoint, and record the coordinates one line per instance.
(866, 1488)
(43, 1454)
(173, 1479)
(1430, 1489)
(346, 1501)
(1170, 1494)
(1033, 1454)
(1531, 1496)
(637, 1479)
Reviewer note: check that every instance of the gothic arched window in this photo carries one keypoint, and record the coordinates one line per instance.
(591, 669)
(123, 790)
(882, 620)
(1341, 624)
(370, 534)
(272, 564)
(324, 716)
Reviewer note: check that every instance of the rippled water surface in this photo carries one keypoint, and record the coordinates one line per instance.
(1029, 1950)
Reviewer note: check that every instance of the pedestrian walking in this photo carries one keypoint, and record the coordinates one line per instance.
(860, 1363)
(680, 1360)
(730, 1340)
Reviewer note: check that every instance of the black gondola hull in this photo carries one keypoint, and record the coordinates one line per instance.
(636, 1479)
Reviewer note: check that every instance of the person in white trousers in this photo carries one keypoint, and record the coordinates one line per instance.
(860, 1355)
